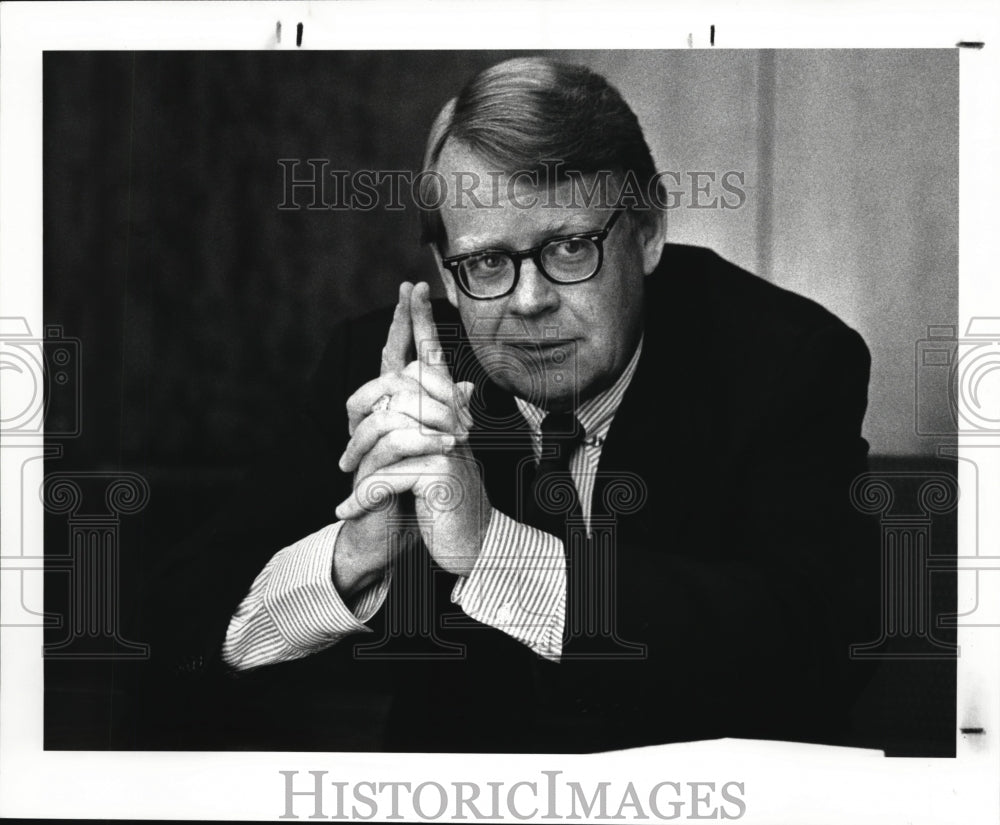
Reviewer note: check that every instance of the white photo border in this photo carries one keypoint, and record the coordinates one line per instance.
(784, 782)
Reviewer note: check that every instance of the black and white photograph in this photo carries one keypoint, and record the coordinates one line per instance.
(430, 406)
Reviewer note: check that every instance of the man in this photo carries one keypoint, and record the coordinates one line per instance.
(596, 499)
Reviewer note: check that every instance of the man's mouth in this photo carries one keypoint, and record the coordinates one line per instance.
(541, 344)
(546, 352)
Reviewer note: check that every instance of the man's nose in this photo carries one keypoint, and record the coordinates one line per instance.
(534, 294)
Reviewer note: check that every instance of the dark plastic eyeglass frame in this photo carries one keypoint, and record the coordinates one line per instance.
(598, 237)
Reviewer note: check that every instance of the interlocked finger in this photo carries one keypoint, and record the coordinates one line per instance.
(400, 444)
(407, 411)
(360, 404)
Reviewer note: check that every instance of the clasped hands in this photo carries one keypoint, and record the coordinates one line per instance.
(409, 435)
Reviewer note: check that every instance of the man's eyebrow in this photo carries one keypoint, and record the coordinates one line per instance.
(570, 226)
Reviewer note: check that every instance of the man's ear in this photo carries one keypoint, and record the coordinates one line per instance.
(651, 232)
(450, 289)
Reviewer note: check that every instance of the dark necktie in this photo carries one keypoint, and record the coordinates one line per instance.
(552, 495)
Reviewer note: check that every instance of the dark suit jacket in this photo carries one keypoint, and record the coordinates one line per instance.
(739, 577)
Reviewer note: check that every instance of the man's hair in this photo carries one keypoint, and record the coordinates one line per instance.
(525, 112)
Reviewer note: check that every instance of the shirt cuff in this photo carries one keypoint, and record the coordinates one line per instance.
(518, 585)
(293, 608)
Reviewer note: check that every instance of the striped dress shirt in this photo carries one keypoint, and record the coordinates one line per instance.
(518, 584)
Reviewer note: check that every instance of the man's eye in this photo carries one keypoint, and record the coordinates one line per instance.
(573, 248)
(488, 264)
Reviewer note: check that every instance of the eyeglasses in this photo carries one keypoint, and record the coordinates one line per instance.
(567, 259)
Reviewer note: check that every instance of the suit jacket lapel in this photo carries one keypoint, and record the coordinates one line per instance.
(650, 452)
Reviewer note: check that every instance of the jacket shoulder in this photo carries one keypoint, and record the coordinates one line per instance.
(730, 301)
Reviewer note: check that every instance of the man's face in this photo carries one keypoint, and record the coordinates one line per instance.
(553, 344)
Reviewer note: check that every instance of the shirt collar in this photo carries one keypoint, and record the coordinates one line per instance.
(594, 414)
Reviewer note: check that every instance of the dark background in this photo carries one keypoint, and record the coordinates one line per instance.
(201, 308)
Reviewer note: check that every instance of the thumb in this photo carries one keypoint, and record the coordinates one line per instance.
(465, 389)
